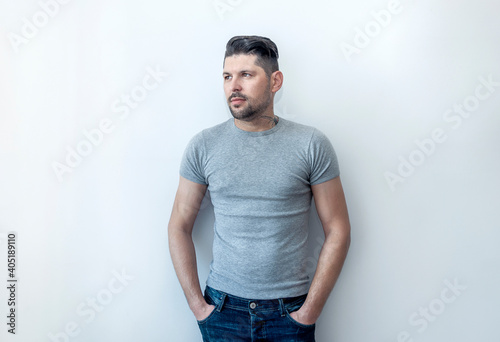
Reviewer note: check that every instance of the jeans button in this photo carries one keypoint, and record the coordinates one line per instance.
(253, 305)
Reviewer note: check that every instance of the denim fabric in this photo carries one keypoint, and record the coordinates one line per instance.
(238, 319)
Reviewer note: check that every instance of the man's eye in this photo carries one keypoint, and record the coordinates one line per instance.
(246, 74)
(227, 77)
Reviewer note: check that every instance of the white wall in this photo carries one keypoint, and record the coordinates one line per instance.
(92, 257)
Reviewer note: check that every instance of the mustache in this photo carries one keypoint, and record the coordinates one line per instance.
(239, 95)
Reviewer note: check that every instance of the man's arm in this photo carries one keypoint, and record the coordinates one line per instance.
(332, 211)
(186, 206)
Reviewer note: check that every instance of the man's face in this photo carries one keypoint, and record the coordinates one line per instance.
(247, 88)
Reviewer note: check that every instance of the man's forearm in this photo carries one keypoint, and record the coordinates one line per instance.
(330, 262)
(184, 259)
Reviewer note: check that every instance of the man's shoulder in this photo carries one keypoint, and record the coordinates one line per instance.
(306, 137)
(299, 129)
(297, 126)
(218, 128)
(212, 132)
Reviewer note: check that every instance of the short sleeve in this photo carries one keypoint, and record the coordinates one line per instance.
(193, 160)
(323, 160)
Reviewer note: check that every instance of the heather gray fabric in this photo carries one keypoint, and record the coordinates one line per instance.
(259, 183)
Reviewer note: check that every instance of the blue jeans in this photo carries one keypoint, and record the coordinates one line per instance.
(238, 319)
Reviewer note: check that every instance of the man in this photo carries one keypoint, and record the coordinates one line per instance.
(262, 172)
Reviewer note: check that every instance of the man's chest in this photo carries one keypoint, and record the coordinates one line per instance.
(256, 169)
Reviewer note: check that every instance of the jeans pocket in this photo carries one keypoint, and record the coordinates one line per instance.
(300, 325)
(211, 298)
(203, 321)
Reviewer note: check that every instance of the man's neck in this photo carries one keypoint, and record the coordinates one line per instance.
(262, 123)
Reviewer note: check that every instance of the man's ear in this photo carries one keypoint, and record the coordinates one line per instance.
(276, 81)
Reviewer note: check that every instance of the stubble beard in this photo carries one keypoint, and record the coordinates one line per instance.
(250, 112)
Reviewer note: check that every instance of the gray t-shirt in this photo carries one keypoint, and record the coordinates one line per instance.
(260, 186)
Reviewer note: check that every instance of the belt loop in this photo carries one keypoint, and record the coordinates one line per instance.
(282, 307)
(221, 302)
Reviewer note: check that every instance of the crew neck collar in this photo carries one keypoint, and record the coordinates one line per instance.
(272, 130)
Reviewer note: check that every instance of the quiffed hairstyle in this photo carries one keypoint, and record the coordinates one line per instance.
(262, 47)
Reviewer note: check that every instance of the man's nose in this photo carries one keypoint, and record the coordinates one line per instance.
(235, 85)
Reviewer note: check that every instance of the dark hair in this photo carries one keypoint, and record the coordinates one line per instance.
(262, 47)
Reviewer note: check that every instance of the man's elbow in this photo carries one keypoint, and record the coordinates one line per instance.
(340, 235)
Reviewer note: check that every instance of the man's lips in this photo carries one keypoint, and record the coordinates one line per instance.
(237, 100)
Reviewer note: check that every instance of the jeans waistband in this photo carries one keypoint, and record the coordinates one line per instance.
(223, 299)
